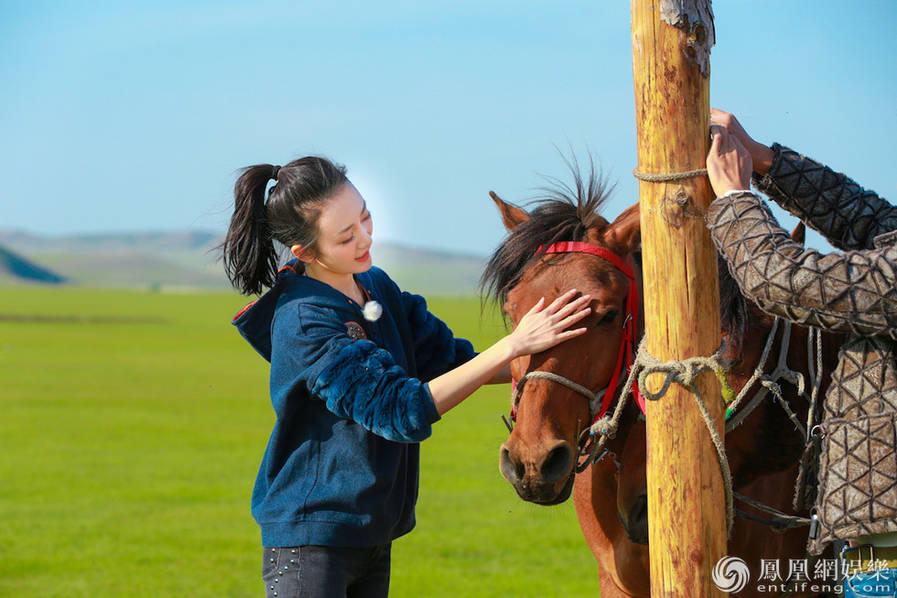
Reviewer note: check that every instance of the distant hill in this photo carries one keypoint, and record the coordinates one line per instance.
(188, 259)
(17, 269)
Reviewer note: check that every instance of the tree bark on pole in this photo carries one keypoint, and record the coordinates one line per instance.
(671, 42)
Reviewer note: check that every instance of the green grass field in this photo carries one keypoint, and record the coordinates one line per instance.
(132, 425)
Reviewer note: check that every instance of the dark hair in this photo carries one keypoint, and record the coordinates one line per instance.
(562, 213)
(289, 216)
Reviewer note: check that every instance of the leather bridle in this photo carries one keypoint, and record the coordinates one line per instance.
(599, 402)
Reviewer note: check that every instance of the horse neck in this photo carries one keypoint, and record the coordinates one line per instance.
(745, 333)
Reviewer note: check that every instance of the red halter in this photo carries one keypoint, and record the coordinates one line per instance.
(629, 324)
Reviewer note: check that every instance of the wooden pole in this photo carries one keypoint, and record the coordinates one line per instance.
(671, 42)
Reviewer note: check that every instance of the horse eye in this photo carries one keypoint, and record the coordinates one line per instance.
(608, 317)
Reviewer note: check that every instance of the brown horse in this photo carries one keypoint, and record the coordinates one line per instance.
(540, 457)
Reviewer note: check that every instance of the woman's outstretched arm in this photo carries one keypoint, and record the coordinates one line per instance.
(540, 329)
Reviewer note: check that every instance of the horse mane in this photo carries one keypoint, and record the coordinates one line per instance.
(734, 307)
(563, 213)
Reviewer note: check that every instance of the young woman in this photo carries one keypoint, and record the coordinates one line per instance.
(359, 372)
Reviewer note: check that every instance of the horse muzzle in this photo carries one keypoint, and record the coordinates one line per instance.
(543, 477)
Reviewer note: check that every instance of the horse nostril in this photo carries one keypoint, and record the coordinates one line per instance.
(510, 470)
(557, 464)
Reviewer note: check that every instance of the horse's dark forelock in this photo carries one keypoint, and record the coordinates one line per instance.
(563, 213)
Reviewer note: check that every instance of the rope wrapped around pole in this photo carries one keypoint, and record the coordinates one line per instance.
(669, 177)
(684, 373)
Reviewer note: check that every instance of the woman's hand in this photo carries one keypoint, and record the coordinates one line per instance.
(761, 155)
(541, 329)
(538, 330)
(729, 164)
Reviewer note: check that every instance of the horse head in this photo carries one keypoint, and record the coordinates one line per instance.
(541, 455)
(539, 458)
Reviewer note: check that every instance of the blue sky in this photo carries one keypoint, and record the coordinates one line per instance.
(132, 116)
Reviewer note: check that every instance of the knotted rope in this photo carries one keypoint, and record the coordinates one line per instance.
(804, 490)
(684, 373)
(594, 439)
(769, 382)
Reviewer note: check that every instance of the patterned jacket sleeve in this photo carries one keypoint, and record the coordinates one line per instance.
(852, 292)
(356, 380)
(849, 216)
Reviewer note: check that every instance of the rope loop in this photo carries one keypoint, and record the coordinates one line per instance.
(684, 373)
(604, 427)
(668, 177)
(593, 439)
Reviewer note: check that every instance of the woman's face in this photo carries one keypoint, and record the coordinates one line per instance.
(344, 234)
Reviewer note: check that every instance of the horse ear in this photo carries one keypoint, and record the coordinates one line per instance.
(799, 234)
(623, 235)
(511, 216)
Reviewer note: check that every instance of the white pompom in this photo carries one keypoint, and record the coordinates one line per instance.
(372, 311)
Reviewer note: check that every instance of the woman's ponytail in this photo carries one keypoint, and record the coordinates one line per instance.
(250, 260)
(289, 216)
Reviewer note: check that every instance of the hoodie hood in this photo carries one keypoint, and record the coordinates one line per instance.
(255, 319)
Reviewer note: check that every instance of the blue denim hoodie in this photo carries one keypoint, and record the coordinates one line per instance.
(351, 399)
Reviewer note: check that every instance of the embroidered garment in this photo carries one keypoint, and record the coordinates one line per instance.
(853, 292)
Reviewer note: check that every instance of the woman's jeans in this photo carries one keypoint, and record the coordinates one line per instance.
(326, 572)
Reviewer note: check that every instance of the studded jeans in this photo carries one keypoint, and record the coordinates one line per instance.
(326, 572)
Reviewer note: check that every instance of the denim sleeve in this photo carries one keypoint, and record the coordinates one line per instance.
(358, 380)
(436, 349)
